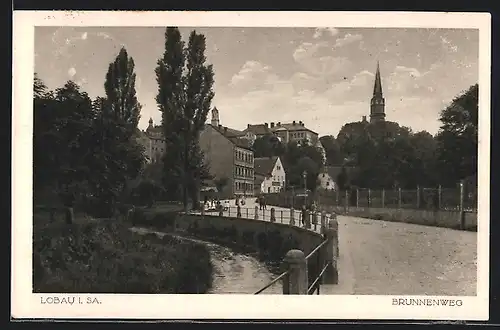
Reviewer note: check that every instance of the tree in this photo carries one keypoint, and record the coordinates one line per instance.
(118, 155)
(457, 138)
(343, 179)
(120, 91)
(184, 97)
(268, 146)
(332, 150)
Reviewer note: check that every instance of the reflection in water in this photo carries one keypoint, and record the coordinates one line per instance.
(239, 273)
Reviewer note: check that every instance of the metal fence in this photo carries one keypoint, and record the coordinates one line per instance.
(419, 198)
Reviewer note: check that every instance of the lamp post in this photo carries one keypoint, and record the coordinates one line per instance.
(304, 176)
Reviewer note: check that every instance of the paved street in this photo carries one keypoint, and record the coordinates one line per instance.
(379, 257)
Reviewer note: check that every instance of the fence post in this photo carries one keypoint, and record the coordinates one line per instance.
(346, 202)
(69, 216)
(462, 211)
(256, 213)
(337, 197)
(281, 213)
(203, 210)
(439, 197)
(331, 275)
(296, 281)
(247, 212)
(229, 211)
(273, 215)
(399, 197)
(418, 197)
(357, 197)
(383, 197)
(369, 197)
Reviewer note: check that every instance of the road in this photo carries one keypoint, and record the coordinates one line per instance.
(390, 258)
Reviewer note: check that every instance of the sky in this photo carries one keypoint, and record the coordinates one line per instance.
(321, 76)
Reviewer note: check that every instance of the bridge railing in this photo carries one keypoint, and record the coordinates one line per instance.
(305, 274)
(300, 218)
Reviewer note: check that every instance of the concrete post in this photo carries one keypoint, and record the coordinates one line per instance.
(70, 216)
(296, 281)
(418, 197)
(331, 275)
(357, 197)
(346, 202)
(383, 198)
(369, 197)
(273, 214)
(399, 198)
(203, 209)
(281, 213)
(247, 213)
(323, 222)
(256, 214)
(292, 217)
(238, 211)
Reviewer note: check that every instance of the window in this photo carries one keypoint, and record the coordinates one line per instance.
(327, 183)
(278, 167)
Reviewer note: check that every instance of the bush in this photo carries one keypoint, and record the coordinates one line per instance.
(106, 257)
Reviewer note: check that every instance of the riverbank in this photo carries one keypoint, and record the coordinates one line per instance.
(104, 256)
(234, 272)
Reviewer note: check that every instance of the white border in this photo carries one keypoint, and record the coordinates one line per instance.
(25, 304)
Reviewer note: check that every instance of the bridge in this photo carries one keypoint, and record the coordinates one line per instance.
(391, 258)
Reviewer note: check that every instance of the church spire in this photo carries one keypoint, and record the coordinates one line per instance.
(377, 87)
(377, 104)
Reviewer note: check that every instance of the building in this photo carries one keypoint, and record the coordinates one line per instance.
(327, 178)
(377, 103)
(295, 131)
(270, 175)
(229, 157)
(153, 141)
(322, 150)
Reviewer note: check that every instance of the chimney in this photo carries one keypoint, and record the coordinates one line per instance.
(266, 124)
(301, 123)
(293, 123)
(272, 125)
(248, 125)
(220, 126)
(364, 119)
(225, 129)
(278, 124)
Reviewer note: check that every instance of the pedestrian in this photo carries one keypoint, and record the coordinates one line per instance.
(264, 202)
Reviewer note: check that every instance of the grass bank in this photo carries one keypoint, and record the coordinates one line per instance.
(104, 256)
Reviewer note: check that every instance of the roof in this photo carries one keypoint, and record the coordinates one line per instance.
(154, 129)
(293, 127)
(334, 171)
(233, 136)
(259, 129)
(265, 165)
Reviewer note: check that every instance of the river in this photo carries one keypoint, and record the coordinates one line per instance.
(235, 273)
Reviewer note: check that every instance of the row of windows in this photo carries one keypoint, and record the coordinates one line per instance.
(243, 171)
(298, 135)
(158, 149)
(243, 186)
(244, 156)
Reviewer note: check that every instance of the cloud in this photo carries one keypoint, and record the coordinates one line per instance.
(252, 75)
(84, 36)
(104, 35)
(348, 39)
(319, 32)
(71, 72)
(307, 50)
(414, 73)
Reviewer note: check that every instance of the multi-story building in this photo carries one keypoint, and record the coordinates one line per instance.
(295, 131)
(153, 141)
(229, 157)
(270, 175)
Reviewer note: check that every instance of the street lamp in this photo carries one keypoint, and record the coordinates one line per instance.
(304, 176)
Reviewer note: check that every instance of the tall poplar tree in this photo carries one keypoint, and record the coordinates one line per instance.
(184, 97)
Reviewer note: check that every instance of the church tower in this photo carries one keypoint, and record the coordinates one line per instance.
(377, 104)
(215, 117)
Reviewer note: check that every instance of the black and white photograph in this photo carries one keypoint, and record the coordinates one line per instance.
(172, 160)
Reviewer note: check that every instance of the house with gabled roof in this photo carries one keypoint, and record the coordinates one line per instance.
(270, 175)
(328, 175)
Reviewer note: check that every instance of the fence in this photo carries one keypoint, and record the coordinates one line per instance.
(304, 218)
(305, 274)
(444, 199)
